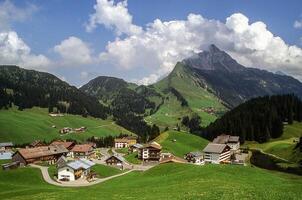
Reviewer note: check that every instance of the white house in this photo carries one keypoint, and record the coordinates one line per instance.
(196, 157)
(216, 153)
(74, 170)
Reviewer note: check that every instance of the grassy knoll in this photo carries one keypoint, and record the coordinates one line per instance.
(185, 142)
(32, 124)
(132, 158)
(167, 181)
(105, 171)
(284, 146)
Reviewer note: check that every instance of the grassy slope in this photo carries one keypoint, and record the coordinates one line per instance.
(31, 124)
(167, 181)
(198, 98)
(185, 142)
(105, 171)
(283, 146)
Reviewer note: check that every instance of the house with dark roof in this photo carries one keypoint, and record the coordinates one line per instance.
(217, 153)
(49, 154)
(68, 145)
(37, 143)
(135, 147)
(195, 157)
(115, 160)
(74, 170)
(231, 141)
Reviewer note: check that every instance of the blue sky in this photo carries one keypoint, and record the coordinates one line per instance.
(43, 25)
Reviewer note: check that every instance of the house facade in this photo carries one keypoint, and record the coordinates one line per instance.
(74, 170)
(135, 147)
(82, 151)
(49, 154)
(6, 146)
(124, 142)
(217, 153)
(115, 160)
(150, 152)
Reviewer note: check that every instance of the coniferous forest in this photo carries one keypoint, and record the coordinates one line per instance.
(258, 119)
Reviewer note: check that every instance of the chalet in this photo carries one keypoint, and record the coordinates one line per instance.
(9, 166)
(135, 147)
(81, 129)
(48, 154)
(124, 142)
(217, 153)
(150, 152)
(231, 141)
(6, 146)
(82, 151)
(196, 157)
(74, 170)
(61, 161)
(66, 144)
(115, 160)
(37, 143)
(65, 130)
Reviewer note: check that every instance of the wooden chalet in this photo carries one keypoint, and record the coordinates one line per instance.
(48, 154)
(4, 146)
(66, 144)
(231, 141)
(82, 151)
(37, 143)
(135, 147)
(150, 152)
(115, 160)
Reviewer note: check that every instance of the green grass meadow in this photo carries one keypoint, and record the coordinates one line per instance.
(33, 124)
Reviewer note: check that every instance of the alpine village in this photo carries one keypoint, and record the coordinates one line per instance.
(211, 128)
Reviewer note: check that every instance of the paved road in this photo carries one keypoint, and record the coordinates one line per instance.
(47, 178)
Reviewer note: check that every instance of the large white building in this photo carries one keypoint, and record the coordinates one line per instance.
(74, 170)
(216, 153)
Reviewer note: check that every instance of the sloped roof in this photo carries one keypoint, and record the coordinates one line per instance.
(125, 139)
(137, 145)
(6, 144)
(82, 148)
(173, 159)
(221, 139)
(120, 158)
(234, 139)
(214, 148)
(196, 153)
(65, 144)
(82, 163)
(42, 151)
(153, 145)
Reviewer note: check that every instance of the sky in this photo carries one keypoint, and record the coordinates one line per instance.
(141, 41)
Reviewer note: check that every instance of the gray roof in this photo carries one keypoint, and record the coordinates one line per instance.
(138, 145)
(224, 139)
(5, 155)
(234, 139)
(214, 148)
(82, 163)
(117, 157)
(6, 144)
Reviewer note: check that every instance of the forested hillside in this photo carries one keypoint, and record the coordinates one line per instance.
(258, 119)
(29, 88)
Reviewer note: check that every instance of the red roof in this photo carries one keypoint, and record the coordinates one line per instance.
(67, 145)
(82, 148)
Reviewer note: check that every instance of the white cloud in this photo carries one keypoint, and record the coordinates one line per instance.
(298, 24)
(161, 44)
(74, 51)
(113, 16)
(13, 50)
(10, 13)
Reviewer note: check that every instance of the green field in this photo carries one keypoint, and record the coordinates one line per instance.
(283, 147)
(104, 171)
(132, 158)
(32, 124)
(167, 181)
(185, 142)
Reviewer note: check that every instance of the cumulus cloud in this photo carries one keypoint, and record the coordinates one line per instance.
(13, 50)
(161, 44)
(113, 16)
(74, 51)
(298, 24)
(10, 13)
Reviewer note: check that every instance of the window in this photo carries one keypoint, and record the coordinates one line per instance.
(67, 169)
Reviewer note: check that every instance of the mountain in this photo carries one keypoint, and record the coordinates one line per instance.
(29, 88)
(233, 83)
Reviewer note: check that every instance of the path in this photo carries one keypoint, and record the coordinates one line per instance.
(47, 178)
